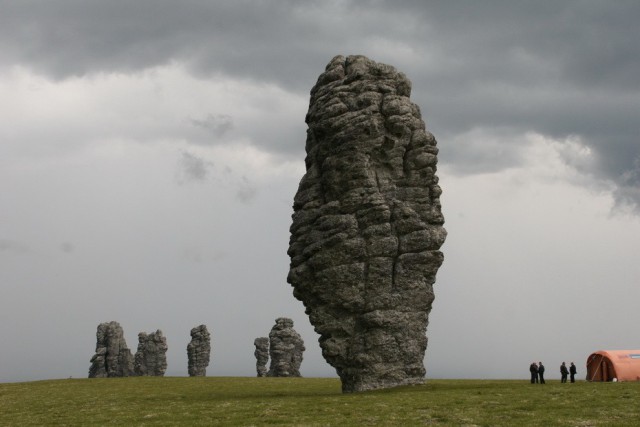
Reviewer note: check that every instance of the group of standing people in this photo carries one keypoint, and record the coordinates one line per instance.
(571, 371)
(537, 372)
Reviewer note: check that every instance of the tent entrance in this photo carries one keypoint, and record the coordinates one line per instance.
(600, 368)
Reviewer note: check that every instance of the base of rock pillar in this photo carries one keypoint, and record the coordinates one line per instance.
(357, 383)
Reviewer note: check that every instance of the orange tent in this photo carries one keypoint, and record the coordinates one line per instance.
(607, 365)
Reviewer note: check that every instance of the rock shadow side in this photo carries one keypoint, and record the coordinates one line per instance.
(367, 225)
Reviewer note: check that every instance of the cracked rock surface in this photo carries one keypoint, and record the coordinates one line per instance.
(367, 225)
(112, 358)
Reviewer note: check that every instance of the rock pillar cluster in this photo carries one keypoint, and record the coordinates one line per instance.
(112, 358)
(199, 351)
(262, 355)
(151, 356)
(367, 225)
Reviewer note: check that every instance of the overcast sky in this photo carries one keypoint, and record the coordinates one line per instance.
(150, 152)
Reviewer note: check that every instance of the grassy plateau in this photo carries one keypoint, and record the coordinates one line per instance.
(242, 401)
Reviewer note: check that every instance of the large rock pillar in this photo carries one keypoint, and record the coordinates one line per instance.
(199, 351)
(151, 356)
(367, 225)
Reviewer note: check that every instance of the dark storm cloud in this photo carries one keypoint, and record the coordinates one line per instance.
(71, 38)
(560, 69)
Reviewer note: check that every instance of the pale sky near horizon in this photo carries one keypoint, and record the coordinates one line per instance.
(150, 152)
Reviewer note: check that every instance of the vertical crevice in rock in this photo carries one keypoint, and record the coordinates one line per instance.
(367, 224)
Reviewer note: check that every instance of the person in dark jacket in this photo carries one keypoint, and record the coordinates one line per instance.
(563, 373)
(533, 368)
(541, 372)
(573, 371)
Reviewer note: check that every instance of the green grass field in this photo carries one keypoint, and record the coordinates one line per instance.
(314, 402)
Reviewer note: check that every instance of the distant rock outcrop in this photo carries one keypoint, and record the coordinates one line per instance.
(367, 225)
(285, 349)
(262, 355)
(199, 351)
(151, 356)
(112, 358)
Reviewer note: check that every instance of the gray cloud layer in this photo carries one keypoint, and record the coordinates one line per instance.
(555, 68)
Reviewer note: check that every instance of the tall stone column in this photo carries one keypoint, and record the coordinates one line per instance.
(262, 355)
(112, 358)
(151, 356)
(199, 351)
(285, 349)
(367, 225)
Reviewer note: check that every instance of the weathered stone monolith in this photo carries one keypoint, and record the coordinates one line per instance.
(113, 358)
(151, 356)
(367, 225)
(262, 355)
(285, 349)
(199, 351)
